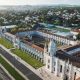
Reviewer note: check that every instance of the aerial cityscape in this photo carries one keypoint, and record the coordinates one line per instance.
(39, 40)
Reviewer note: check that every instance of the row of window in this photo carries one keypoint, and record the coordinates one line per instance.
(54, 65)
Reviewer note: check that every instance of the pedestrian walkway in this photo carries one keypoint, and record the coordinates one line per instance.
(47, 75)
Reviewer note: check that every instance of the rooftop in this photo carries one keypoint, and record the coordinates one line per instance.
(65, 34)
(64, 47)
(47, 25)
(72, 48)
(9, 34)
(9, 26)
(74, 60)
(38, 48)
(33, 46)
(76, 30)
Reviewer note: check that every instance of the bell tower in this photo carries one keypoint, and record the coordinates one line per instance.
(49, 55)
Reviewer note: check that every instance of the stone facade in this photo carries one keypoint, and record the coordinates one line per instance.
(61, 68)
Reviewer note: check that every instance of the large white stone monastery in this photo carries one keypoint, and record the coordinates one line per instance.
(64, 63)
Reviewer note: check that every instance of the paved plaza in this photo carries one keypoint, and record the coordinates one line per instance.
(47, 75)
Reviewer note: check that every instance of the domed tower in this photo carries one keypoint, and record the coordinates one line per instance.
(49, 55)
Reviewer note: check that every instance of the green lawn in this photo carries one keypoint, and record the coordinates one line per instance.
(11, 70)
(6, 43)
(29, 59)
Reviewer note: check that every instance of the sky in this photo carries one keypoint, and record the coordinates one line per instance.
(38, 2)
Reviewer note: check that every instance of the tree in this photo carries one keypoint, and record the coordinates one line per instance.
(78, 36)
(14, 30)
(1, 22)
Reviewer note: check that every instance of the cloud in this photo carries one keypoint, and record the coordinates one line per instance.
(36, 2)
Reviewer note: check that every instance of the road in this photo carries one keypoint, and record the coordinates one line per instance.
(26, 71)
(3, 75)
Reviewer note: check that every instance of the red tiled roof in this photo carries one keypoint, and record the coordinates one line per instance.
(38, 48)
(34, 46)
(77, 30)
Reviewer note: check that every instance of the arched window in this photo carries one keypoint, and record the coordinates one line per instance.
(49, 53)
(54, 68)
(66, 77)
(48, 60)
(75, 76)
(48, 66)
(60, 68)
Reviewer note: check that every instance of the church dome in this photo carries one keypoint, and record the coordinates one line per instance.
(52, 48)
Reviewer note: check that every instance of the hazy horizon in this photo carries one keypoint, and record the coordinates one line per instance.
(39, 2)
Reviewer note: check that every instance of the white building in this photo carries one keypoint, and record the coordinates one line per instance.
(48, 35)
(63, 63)
(60, 63)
